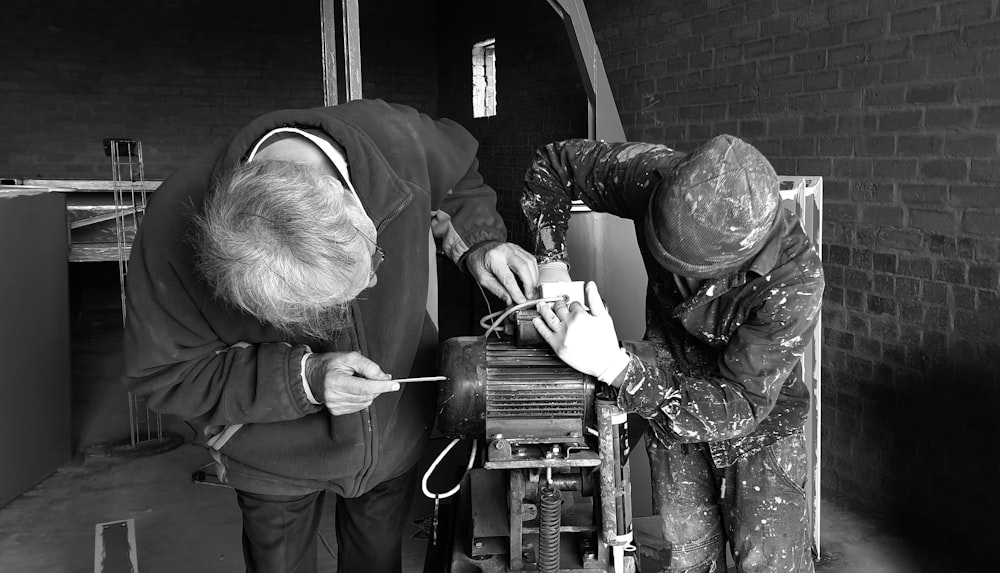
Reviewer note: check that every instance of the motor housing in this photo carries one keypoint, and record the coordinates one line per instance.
(496, 389)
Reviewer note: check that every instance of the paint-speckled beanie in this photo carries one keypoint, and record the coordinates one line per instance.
(714, 211)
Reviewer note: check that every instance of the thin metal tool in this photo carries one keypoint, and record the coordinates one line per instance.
(422, 379)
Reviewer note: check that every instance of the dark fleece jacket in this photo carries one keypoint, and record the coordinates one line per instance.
(198, 358)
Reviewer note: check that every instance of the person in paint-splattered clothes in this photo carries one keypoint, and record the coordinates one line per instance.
(734, 294)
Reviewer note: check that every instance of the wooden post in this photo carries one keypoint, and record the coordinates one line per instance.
(352, 49)
(334, 71)
(328, 32)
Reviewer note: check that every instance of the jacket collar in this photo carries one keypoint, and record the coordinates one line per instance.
(766, 259)
(369, 169)
(761, 265)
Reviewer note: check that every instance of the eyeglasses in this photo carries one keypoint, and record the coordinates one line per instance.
(377, 256)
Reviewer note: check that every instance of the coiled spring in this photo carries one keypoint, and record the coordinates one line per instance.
(549, 523)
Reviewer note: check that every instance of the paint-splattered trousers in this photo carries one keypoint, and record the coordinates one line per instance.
(758, 505)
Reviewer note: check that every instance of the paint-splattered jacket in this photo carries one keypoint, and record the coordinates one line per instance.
(726, 368)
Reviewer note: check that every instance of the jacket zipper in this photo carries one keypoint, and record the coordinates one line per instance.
(395, 212)
(369, 413)
(366, 414)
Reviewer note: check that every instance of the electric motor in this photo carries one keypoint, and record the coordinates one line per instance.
(497, 389)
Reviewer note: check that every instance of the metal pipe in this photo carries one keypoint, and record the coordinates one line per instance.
(616, 494)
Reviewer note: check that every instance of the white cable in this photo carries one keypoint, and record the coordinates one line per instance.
(430, 470)
(488, 320)
(511, 309)
(472, 454)
(486, 299)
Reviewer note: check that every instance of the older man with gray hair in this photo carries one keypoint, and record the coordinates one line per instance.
(275, 289)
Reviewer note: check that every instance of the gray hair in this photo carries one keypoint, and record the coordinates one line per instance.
(276, 240)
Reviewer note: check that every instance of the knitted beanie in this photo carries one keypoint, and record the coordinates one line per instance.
(714, 211)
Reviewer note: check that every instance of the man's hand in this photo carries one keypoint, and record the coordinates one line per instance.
(494, 266)
(349, 381)
(586, 340)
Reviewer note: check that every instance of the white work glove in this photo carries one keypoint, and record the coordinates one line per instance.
(554, 280)
(553, 272)
(586, 340)
(350, 382)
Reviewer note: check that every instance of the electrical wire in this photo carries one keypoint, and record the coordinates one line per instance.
(434, 465)
(499, 316)
(489, 307)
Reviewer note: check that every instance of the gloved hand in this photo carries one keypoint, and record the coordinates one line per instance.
(553, 272)
(554, 280)
(586, 340)
(342, 391)
(494, 265)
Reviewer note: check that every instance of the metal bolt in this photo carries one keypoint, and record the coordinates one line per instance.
(479, 543)
(526, 554)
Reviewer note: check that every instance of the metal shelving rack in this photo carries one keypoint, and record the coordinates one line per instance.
(146, 435)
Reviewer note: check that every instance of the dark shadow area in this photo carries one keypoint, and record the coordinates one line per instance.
(939, 429)
(99, 401)
(462, 304)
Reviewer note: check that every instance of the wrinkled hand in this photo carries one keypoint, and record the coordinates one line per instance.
(350, 381)
(498, 266)
(586, 340)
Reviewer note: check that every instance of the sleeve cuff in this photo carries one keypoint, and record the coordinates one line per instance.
(305, 380)
(486, 244)
(641, 390)
(452, 244)
(615, 369)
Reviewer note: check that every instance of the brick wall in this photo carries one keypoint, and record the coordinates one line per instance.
(399, 52)
(897, 105)
(180, 75)
(540, 97)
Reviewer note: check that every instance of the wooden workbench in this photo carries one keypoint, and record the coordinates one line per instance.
(91, 215)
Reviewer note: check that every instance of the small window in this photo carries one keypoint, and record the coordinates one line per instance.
(484, 79)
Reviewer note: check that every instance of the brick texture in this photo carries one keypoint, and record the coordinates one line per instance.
(540, 97)
(896, 104)
(180, 76)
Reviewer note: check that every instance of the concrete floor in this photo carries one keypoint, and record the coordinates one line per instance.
(179, 525)
(183, 526)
